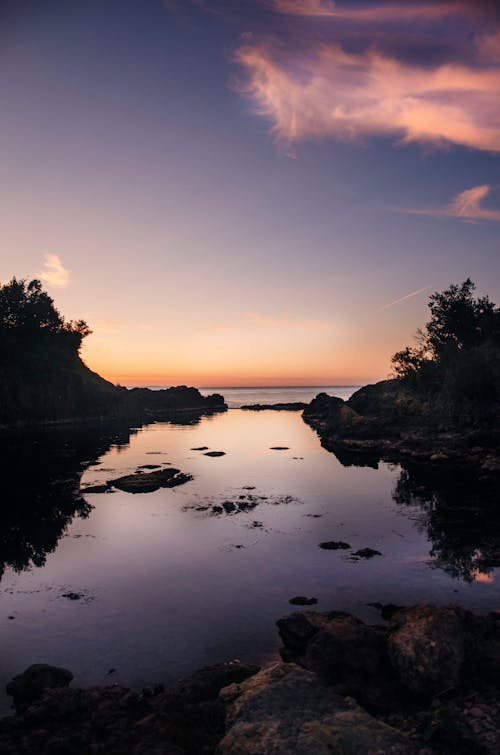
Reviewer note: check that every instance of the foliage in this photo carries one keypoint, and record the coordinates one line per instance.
(457, 355)
(29, 319)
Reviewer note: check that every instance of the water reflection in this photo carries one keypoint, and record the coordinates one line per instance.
(41, 475)
(460, 515)
(41, 483)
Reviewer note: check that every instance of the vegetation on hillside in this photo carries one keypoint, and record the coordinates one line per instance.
(41, 374)
(455, 364)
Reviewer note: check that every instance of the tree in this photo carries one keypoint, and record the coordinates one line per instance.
(458, 322)
(29, 318)
(454, 368)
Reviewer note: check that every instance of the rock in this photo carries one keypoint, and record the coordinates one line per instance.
(346, 653)
(297, 628)
(148, 483)
(427, 647)
(215, 453)
(149, 466)
(28, 686)
(279, 448)
(95, 489)
(72, 595)
(387, 610)
(186, 719)
(366, 553)
(200, 448)
(228, 507)
(206, 683)
(334, 545)
(285, 709)
(301, 600)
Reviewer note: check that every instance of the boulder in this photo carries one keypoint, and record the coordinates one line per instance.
(429, 646)
(27, 687)
(285, 709)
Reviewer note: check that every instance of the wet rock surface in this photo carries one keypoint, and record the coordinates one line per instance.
(144, 482)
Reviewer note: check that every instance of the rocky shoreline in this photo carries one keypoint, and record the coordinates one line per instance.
(387, 421)
(425, 683)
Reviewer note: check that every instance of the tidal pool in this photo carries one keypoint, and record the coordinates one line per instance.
(143, 587)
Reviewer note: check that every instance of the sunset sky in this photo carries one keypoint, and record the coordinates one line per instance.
(249, 193)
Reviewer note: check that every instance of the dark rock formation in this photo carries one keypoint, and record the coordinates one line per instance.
(29, 686)
(334, 545)
(424, 651)
(366, 553)
(390, 421)
(187, 719)
(302, 600)
(141, 482)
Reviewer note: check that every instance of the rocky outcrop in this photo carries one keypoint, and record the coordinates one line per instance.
(389, 421)
(168, 401)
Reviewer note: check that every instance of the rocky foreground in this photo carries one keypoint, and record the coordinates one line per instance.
(426, 683)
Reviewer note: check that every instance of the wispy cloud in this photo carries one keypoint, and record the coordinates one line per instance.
(373, 13)
(406, 297)
(334, 93)
(54, 273)
(288, 322)
(465, 206)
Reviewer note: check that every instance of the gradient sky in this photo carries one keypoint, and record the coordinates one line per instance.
(245, 193)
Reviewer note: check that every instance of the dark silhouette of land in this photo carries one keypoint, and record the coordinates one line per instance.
(43, 378)
(443, 403)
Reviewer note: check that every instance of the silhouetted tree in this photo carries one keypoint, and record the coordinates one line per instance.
(29, 318)
(457, 355)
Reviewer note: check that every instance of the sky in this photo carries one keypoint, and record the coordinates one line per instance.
(260, 192)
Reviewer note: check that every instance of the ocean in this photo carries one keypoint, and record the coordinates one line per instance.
(237, 397)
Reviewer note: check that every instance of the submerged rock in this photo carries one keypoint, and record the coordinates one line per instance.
(301, 600)
(334, 545)
(366, 553)
(215, 453)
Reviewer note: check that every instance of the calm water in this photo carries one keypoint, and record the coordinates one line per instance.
(166, 583)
